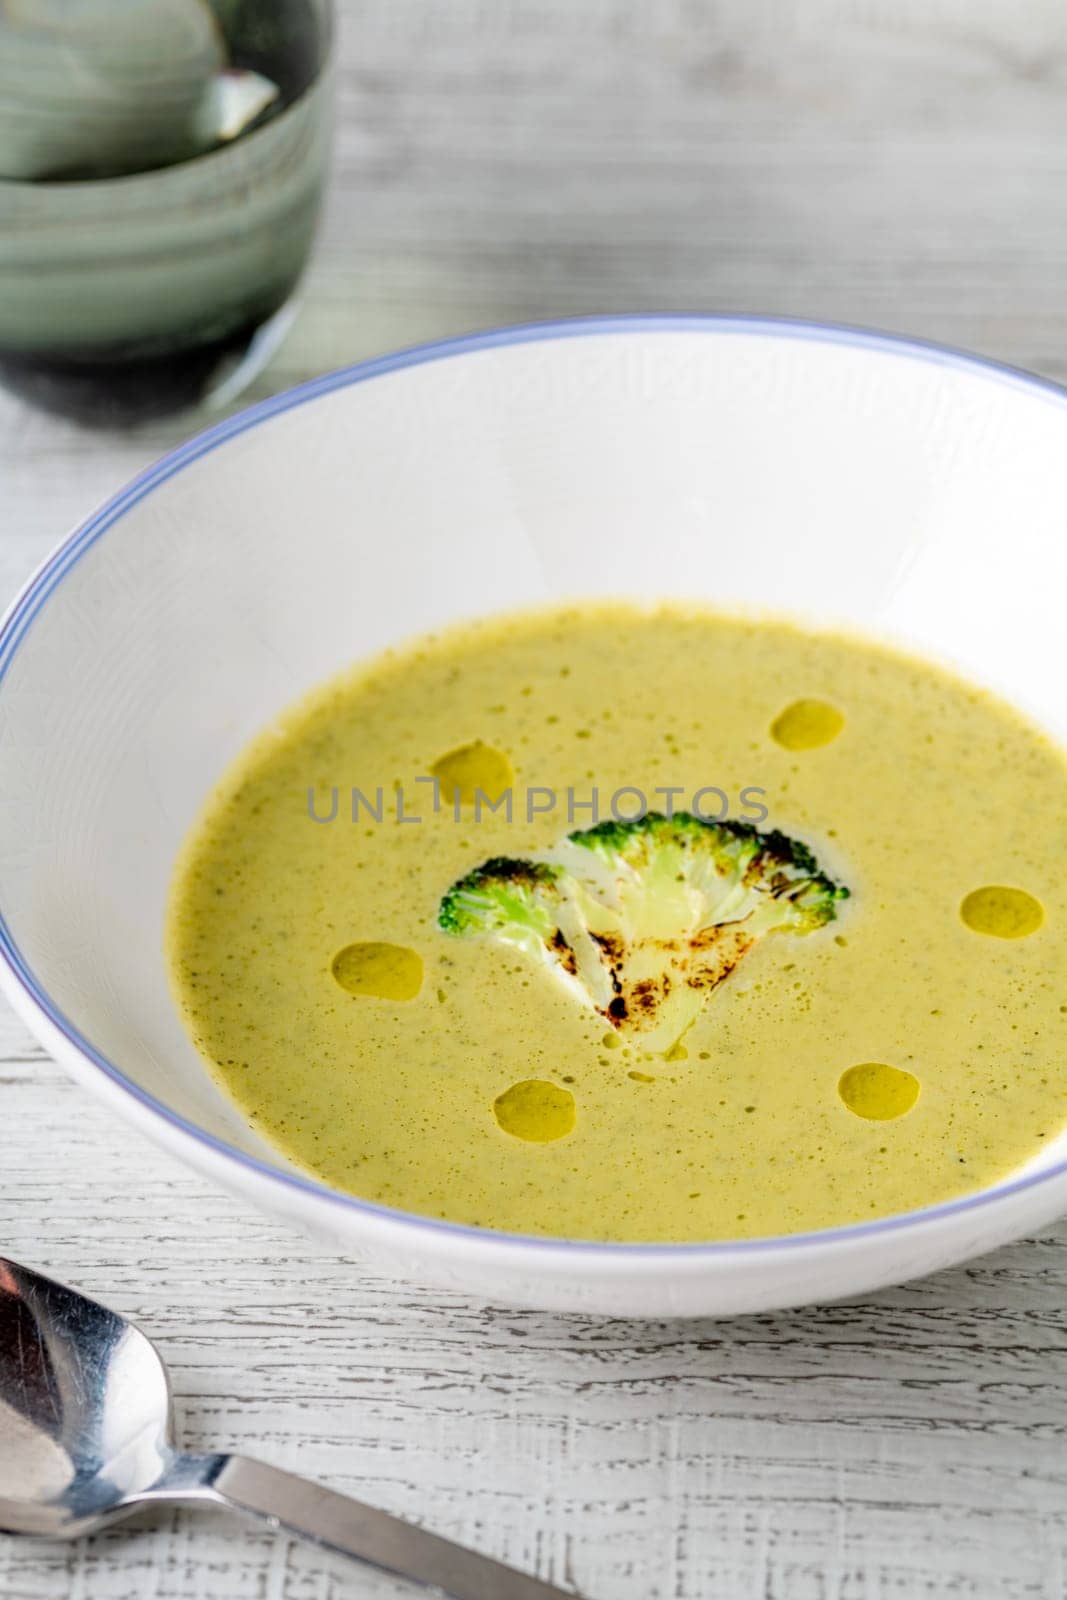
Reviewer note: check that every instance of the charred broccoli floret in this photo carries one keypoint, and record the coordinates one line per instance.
(642, 919)
(516, 900)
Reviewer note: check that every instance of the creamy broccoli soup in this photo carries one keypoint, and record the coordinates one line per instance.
(637, 925)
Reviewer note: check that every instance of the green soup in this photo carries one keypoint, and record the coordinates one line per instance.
(811, 1059)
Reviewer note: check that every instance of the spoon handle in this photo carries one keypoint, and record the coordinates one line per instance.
(341, 1523)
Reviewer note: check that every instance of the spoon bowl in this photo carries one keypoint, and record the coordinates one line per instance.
(85, 1409)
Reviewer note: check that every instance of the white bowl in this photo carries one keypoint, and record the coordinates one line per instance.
(827, 472)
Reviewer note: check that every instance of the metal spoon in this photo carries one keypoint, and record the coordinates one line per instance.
(85, 1440)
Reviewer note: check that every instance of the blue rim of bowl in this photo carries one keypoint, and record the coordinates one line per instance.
(28, 603)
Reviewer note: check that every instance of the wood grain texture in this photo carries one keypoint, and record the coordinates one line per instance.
(897, 163)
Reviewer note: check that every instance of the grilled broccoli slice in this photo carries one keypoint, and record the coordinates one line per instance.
(642, 920)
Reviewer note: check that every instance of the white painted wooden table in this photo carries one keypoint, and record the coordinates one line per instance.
(902, 163)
